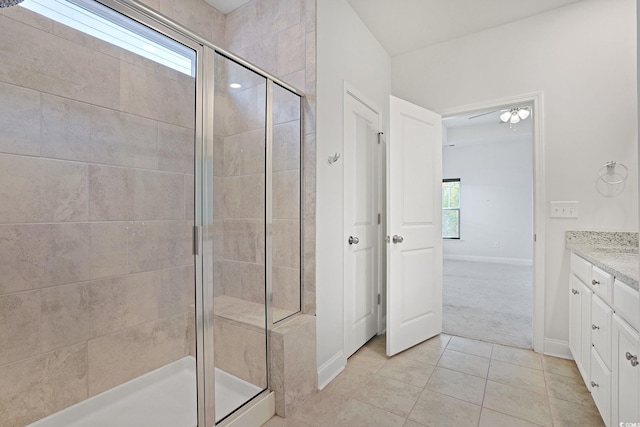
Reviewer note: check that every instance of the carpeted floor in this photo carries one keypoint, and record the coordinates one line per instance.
(488, 302)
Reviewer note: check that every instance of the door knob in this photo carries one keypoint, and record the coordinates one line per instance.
(594, 384)
(574, 292)
(397, 239)
(594, 327)
(594, 282)
(353, 240)
(632, 358)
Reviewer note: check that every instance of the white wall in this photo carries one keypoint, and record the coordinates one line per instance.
(583, 58)
(346, 52)
(496, 205)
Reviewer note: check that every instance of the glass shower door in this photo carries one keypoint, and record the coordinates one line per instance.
(97, 276)
(238, 235)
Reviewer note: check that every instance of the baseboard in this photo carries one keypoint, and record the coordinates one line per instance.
(331, 369)
(496, 260)
(557, 348)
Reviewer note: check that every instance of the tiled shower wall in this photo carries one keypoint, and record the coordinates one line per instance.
(239, 183)
(279, 36)
(96, 208)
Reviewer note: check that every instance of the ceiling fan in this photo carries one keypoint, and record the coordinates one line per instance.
(509, 115)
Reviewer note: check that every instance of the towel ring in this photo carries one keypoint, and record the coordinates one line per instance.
(614, 173)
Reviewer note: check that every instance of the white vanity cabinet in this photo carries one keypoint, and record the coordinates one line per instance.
(625, 384)
(604, 340)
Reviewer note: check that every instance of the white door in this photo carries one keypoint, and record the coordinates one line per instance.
(361, 125)
(414, 227)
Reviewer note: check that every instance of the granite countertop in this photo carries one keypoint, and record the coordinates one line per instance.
(613, 252)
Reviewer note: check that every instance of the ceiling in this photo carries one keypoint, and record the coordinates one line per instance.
(405, 25)
(471, 129)
(226, 6)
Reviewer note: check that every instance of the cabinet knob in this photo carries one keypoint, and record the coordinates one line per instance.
(594, 384)
(594, 327)
(595, 282)
(632, 358)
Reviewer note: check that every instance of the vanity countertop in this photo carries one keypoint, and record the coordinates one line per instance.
(613, 252)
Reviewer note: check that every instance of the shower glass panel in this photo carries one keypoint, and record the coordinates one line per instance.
(286, 186)
(239, 235)
(97, 274)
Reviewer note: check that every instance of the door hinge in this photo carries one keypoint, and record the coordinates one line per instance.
(379, 299)
(196, 240)
(535, 237)
(378, 219)
(380, 136)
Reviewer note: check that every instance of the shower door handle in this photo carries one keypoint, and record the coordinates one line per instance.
(353, 240)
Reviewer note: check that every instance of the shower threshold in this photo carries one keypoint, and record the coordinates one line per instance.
(165, 397)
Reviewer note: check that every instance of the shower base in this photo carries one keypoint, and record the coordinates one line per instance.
(231, 393)
(165, 397)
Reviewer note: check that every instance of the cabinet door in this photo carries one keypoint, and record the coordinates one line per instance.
(626, 377)
(575, 315)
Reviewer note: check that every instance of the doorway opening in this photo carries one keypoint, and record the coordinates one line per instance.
(489, 223)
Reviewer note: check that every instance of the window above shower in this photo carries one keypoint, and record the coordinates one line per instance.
(103, 23)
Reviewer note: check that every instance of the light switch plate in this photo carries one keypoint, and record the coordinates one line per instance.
(564, 209)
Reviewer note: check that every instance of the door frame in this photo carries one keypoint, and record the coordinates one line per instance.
(350, 90)
(539, 200)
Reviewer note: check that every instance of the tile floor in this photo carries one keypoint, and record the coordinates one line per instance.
(449, 381)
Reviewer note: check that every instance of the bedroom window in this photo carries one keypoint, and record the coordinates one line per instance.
(451, 208)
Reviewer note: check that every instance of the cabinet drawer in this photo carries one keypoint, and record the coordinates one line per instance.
(602, 283)
(601, 329)
(581, 268)
(600, 386)
(625, 301)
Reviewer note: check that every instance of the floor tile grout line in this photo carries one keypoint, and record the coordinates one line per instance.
(546, 388)
(482, 405)
(423, 389)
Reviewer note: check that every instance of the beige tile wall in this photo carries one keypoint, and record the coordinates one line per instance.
(279, 36)
(96, 207)
(293, 363)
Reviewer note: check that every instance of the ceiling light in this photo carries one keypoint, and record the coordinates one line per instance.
(514, 115)
(235, 85)
(149, 48)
